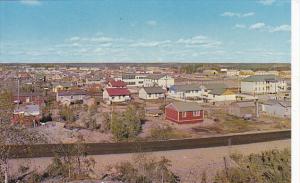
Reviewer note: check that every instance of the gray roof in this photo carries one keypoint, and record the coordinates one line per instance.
(280, 102)
(187, 87)
(71, 92)
(217, 89)
(155, 76)
(186, 106)
(244, 104)
(261, 78)
(151, 90)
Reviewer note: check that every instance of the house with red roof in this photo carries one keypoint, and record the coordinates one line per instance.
(112, 95)
(116, 84)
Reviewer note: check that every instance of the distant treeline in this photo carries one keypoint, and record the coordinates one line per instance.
(194, 68)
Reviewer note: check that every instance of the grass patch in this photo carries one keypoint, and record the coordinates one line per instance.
(166, 133)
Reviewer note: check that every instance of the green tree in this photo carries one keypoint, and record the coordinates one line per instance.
(269, 166)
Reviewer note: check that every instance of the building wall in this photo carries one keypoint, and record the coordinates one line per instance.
(221, 98)
(190, 118)
(71, 98)
(144, 95)
(171, 114)
(263, 87)
(277, 110)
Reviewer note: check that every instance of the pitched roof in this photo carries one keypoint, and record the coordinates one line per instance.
(187, 87)
(186, 106)
(71, 92)
(151, 90)
(217, 89)
(244, 104)
(117, 91)
(118, 83)
(156, 76)
(261, 78)
(280, 102)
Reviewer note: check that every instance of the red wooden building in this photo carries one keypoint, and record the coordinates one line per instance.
(184, 112)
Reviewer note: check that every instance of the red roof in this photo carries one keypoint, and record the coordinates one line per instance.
(117, 91)
(118, 83)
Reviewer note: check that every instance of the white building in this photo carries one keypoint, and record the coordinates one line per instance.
(111, 95)
(218, 93)
(164, 81)
(277, 108)
(263, 84)
(133, 79)
(185, 91)
(151, 93)
(71, 96)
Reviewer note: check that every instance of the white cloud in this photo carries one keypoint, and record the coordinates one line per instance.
(280, 28)
(239, 26)
(266, 2)
(259, 25)
(151, 23)
(234, 14)
(30, 2)
(263, 27)
(199, 41)
(151, 44)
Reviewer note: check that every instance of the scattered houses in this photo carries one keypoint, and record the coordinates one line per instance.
(277, 108)
(164, 81)
(184, 112)
(151, 93)
(111, 95)
(71, 96)
(263, 84)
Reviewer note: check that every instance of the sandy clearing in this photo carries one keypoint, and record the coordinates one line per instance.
(188, 164)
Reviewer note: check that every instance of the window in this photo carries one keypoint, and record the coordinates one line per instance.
(184, 114)
(196, 113)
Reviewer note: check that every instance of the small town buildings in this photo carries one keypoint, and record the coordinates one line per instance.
(161, 80)
(263, 84)
(219, 93)
(246, 73)
(149, 93)
(188, 91)
(134, 79)
(29, 97)
(277, 108)
(242, 109)
(231, 73)
(116, 84)
(210, 72)
(71, 96)
(111, 95)
(27, 115)
(184, 112)
(56, 86)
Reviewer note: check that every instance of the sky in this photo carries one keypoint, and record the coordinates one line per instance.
(145, 31)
